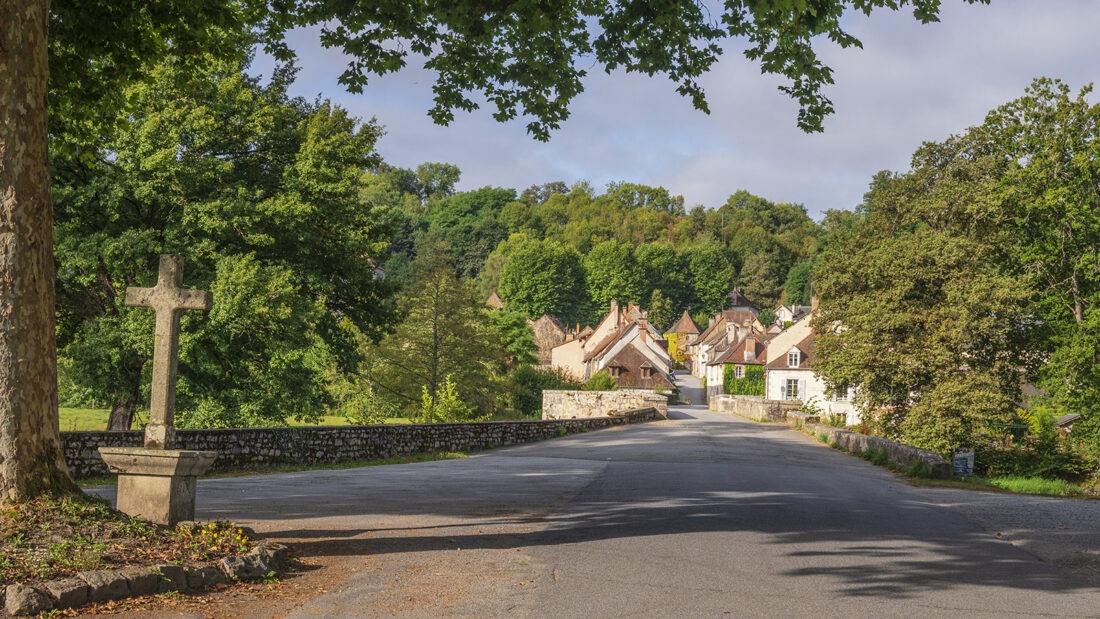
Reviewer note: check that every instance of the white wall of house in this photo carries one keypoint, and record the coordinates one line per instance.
(715, 375)
(809, 387)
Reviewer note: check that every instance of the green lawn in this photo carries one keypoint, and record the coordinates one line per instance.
(93, 419)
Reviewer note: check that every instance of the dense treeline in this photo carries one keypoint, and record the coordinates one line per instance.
(971, 275)
(343, 285)
(567, 251)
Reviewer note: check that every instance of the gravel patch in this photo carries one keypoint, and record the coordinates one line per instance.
(1065, 532)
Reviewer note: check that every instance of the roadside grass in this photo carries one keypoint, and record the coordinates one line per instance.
(83, 419)
(921, 475)
(295, 468)
(51, 537)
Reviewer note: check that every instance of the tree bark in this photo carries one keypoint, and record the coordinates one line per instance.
(31, 461)
(122, 416)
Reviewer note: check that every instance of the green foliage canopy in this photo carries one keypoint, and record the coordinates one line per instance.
(261, 194)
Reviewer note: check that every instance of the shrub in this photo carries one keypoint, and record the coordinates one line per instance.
(529, 382)
(752, 383)
(601, 381)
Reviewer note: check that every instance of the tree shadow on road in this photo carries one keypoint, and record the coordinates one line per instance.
(830, 515)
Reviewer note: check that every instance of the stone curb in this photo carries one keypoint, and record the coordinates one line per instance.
(106, 585)
(901, 456)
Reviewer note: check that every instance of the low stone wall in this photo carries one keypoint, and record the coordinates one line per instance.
(753, 407)
(901, 456)
(559, 404)
(241, 448)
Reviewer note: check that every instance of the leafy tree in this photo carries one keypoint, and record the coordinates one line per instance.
(712, 277)
(526, 59)
(665, 270)
(630, 196)
(516, 336)
(446, 335)
(760, 279)
(468, 224)
(767, 316)
(612, 274)
(660, 309)
(261, 194)
(797, 289)
(488, 278)
(543, 277)
(537, 194)
(435, 181)
(918, 304)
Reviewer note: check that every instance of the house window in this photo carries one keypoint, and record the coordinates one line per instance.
(792, 389)
(647, 372)
(793, 359)
(841, 394)
(615, 371)
(738, 371)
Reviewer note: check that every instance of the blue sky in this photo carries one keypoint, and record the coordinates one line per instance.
(909, 84)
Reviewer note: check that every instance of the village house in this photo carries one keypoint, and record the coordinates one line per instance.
(751, 351)
(625, 345)
(548, 332)
(789, 375)
(680, 336)
(785, 314)
(726, 328)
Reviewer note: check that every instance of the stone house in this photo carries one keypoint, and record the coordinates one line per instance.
(751, 351)
(548, 332)
(625, 345)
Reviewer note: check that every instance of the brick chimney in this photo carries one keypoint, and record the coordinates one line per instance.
(615, 313)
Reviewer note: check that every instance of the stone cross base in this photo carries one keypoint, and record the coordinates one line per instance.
(157, 485)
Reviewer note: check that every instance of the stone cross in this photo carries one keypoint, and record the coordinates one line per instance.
(169, 300)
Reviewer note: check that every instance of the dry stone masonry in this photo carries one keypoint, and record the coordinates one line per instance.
(243, 448)
(559, 404)
(753, 407)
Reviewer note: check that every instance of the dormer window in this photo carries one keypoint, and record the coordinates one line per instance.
(647, 372)
(794, 358)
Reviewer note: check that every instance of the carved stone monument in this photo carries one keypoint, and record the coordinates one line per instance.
(157, 482)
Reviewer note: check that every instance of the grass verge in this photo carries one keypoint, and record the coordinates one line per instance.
(920, 474)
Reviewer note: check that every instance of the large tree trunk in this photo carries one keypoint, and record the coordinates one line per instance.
(122, 415)
(31, 462)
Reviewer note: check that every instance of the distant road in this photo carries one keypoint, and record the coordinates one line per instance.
(701, 516)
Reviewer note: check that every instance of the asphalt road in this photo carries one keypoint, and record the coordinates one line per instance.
(700, 516)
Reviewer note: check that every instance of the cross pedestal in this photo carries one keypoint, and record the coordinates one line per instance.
(157, 485)
(155, 482)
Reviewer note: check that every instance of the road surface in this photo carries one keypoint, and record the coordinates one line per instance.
(703, 515)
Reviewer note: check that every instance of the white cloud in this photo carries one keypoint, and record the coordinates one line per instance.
(910, 83)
